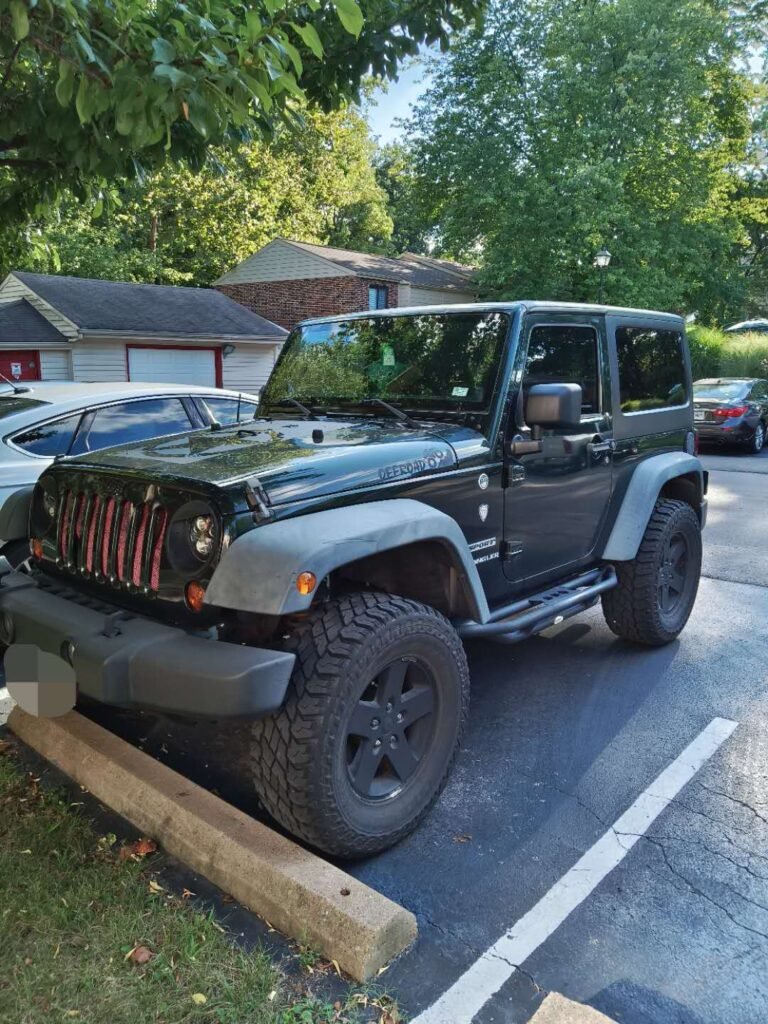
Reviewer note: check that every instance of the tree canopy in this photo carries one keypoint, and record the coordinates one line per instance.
(562, 126)
(94, 90)
(315, 182)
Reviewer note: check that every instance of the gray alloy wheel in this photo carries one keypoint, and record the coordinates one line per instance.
(758, 440)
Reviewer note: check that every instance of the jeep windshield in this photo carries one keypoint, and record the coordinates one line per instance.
(435, 362)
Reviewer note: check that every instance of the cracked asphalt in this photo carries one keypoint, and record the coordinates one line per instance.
(566, 730)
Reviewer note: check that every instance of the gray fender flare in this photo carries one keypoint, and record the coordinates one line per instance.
(637, 504)
(14, 514)
(258, 572)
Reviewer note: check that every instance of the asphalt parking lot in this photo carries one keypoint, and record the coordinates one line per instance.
(569, 731)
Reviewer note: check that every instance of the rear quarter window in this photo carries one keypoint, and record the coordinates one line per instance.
(651, 369)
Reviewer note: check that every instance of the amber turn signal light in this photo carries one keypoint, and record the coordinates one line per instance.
(194, 595)
(36, 547)
(306, 583)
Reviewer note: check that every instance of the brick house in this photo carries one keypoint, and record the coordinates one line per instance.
(287, 281)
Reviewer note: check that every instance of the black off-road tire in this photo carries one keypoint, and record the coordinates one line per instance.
(300, 756)
(633, 609)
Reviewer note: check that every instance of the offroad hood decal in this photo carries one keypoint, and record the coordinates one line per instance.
(293, 459)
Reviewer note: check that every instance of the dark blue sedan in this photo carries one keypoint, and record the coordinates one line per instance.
(731, 410)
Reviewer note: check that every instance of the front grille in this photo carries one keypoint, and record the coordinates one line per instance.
(111, 538)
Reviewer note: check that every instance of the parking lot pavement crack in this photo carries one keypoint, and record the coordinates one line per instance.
(521, 970)
(733, 799)
(719, 853)
(696, 891)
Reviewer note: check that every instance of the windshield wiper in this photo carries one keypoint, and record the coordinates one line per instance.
(397, 413)
(308, 414)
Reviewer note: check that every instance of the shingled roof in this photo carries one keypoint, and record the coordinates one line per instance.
(148, 309)
(419, 271)
(21, 324)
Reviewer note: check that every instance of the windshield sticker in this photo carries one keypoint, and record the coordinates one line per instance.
(387, 355)
(460, 392)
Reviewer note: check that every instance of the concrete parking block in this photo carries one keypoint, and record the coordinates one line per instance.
(556, 1009)
(300, 894)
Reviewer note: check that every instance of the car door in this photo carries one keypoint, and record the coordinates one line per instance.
(558, 487)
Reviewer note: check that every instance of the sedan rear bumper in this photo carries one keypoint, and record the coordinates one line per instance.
(129, 661)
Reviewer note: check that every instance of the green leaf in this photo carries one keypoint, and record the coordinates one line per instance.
(83, 101)
(294, 55)
(19, 19)
(310, 38)
(253, 26)
(98, 209)
(66, 83)
(350, 16)
(175, 76)
(163, 52)
(124, 122)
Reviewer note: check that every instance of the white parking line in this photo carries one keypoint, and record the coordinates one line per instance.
(466, 997)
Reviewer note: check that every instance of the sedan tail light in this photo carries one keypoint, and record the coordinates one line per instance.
(730, 413)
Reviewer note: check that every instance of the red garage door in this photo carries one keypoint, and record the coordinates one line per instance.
(20, 365)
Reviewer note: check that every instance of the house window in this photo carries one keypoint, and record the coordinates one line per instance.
(377, 296)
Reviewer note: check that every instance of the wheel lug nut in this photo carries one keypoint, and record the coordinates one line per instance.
(399, 716)
(389, 705)
(377, 744)
(375, 723)
(393, 741)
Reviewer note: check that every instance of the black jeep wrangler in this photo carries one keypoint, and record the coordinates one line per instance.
(412, 478)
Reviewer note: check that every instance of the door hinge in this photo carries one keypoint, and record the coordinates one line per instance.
(509, 549)
(514, 475)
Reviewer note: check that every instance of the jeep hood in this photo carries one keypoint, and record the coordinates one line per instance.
(293, 460)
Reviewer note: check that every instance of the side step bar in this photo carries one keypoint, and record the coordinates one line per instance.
(532, 614)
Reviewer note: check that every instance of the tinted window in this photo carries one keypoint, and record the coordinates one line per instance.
(435, 360)
(225, 410)
(10, 406)
(565, 354)
(720, 391)
(49, 439)
(651, 368)
(135, 421)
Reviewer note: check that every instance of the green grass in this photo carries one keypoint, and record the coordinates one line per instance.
(716, 354)
(72, 909)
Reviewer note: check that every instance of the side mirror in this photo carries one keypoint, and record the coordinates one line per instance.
(553, 405)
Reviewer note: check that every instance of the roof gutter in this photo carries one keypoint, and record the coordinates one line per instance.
(85, 333)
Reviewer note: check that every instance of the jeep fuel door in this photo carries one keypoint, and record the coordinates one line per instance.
(557, 473)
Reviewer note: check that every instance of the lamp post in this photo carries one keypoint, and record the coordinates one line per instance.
(602, 259)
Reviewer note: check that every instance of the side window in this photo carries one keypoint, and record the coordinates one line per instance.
(49, 439)
(651, 369)
(134, 421)
(565, 354)
(225, 410)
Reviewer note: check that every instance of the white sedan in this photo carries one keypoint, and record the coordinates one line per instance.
(43, 420)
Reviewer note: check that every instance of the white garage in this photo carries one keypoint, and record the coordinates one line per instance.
(169, 365)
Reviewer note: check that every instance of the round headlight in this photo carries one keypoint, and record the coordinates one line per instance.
(202, 535)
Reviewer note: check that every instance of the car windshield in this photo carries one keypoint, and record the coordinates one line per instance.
(10, 405)
(720, 391)
(434, 361)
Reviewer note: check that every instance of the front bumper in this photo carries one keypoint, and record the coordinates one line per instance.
(129, 661)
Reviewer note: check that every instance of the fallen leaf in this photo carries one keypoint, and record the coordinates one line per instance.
(199, 999)
(143, 847)
(228, 899)
(28, 961)
(336, 965)
(139, 955)
(272, 995)
(72, 1013)
(154, 887)
(187, 893)
(462, 838)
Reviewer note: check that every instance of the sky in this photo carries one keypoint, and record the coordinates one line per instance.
(394, 102)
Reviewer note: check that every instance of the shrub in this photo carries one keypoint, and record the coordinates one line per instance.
(716, 354)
